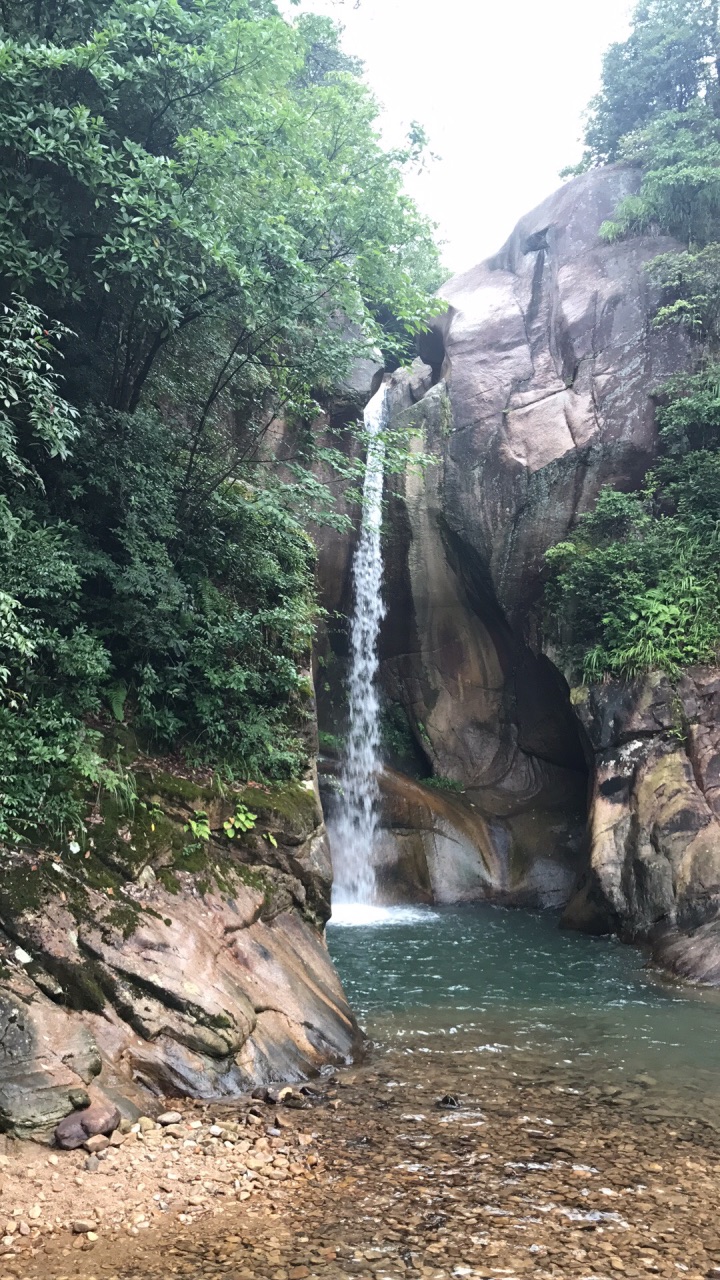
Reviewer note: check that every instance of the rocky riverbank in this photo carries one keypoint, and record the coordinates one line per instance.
(176, 953)
(427, 1164)
(186, 1166)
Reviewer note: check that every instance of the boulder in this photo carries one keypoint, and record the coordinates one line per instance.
(550, 363)
(98, 1120)
(47, 1058)
(534, 390)
(437, 846)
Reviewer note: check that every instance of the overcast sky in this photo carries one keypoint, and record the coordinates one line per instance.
(500, 87)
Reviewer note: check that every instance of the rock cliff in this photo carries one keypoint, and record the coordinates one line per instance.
(535, 390)
(153, 963)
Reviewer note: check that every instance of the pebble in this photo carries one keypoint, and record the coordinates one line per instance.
(97, 1143)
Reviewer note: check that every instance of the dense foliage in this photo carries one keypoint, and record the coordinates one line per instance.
(638, 585)
(195, 194)
(668, 64)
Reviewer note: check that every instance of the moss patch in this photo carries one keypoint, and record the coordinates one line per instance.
(291, 810)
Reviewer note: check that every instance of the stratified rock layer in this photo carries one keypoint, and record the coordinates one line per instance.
(163, 965)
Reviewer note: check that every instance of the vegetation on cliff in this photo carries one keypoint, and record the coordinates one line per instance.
(637, 587)
(198, 219)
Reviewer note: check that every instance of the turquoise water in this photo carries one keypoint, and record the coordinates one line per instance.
(483, 980)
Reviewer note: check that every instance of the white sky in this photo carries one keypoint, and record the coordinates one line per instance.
(500, 87)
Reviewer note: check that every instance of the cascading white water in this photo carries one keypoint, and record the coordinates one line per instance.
(355, 822)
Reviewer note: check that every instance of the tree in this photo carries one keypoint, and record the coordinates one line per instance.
(195, 193)
(166, 166)
(669, 60)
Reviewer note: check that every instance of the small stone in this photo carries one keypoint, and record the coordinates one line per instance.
(169, 1117)
(291, 1098)
(117, 1138)
(646, 1081)
(23, 1228)
(92, 1235)
(35, 1211)
(53, 1159)
(80, 1226)
(97, 1143)
(146, 1124)
(92, 1164)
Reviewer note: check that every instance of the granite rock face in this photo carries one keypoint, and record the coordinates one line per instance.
(535, 389)
(655, 812)
(436, 846)
(162, 966)
(550, 359)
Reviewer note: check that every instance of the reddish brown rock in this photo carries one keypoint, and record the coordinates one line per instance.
(175, 983)
(99, 1119)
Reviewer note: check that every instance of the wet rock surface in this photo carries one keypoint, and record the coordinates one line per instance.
(538, 1167)
(440, 846)
(535, 390)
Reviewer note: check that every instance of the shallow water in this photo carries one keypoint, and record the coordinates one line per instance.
(486, 981)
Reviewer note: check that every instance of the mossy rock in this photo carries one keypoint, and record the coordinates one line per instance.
(291, 813)
(127, 844)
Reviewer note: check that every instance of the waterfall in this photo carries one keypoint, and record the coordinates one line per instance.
(356, 818)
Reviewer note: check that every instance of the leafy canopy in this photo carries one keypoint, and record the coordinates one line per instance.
(669, 61)
(196, 195)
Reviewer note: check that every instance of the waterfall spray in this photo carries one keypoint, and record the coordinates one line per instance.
(356, 820)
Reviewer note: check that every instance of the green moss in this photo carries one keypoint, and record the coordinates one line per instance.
(294, 804)
(446, 415)
(123, 916)
(128, 843)
(169, 881)
(171, 787)
(193, 857)
(82, 982)
(24, 890)
(253, 878)
(445, 784)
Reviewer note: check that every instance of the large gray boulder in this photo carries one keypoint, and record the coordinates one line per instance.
(550, 361)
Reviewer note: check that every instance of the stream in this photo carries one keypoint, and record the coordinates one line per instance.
(485, 985)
